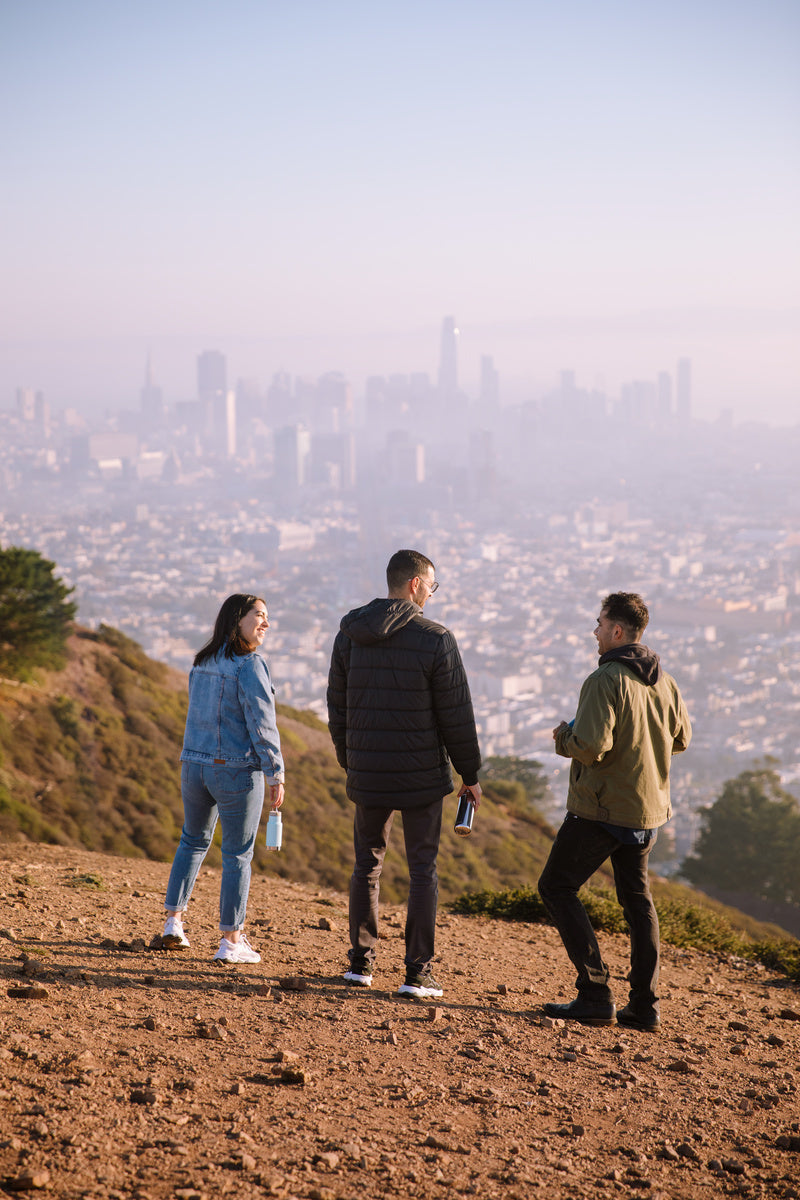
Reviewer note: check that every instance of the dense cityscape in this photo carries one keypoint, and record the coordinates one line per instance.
(302, 489)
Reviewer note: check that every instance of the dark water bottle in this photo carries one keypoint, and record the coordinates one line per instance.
(465, 815)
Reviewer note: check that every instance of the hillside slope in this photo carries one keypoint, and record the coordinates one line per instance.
(131, 1074)
(89, 757)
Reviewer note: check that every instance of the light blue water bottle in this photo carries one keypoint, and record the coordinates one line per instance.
(274, 830)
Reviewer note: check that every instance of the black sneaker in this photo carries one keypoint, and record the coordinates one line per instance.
(420, 984)
(359, 973)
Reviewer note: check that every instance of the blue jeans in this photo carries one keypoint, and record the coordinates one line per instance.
(421, 831)
(236, 796)
(581, 846)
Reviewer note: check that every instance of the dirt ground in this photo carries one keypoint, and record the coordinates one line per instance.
(130, 1072)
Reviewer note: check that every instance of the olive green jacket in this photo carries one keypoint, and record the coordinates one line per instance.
(621, 745)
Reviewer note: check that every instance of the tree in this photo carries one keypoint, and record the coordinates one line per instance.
(750, 840)
(525, 771)
(35, 615)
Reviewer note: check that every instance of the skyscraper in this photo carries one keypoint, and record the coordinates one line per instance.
(683, 390)
(151, 400)
(490, 382)
(448, 358)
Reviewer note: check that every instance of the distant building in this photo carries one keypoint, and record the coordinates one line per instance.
(448, 358)
(26, 403)
(490, 383)
(151, 400)
(663, 397)
(405, 460)
(292, 453)
(212, 385)
(683, 391)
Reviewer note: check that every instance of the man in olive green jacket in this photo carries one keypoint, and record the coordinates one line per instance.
(629, 722)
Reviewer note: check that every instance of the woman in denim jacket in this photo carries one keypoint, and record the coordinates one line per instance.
(231, 745)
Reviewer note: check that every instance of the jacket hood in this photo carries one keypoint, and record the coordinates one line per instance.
(378, 620)
(644, 662)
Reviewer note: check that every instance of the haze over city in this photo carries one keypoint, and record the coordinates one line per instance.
(604, 189)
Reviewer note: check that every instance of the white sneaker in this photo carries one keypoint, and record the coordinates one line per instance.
(236, 952)
(173, 937)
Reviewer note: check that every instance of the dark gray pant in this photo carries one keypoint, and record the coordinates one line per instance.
(581, 847)
(421, 831)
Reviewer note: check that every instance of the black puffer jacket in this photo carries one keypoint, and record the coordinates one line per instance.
(399, 707)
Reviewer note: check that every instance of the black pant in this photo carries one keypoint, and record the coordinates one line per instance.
(421, 830)
(581, 847)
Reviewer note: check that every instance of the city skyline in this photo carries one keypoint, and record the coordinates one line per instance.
(310, 188)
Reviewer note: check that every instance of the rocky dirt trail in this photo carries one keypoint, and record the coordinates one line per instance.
(129, 1072)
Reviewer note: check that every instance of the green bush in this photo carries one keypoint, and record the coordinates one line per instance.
(683, 923)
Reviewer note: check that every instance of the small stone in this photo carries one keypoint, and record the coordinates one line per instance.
(32, 991)
(248, 1163)
(293, 983)
(680, 1066)
(29, 1181)
(213, 1033)
(669, 1153)
(8, 934)
(293, 1076)
(326, 923)
(287, 1056)
(435, 1013)
(733, 1166)
(775, 1040)
(238, 1089)
(150, 1023)
(687, 1150)
(145, 1095)
(786, 1014)
(738, 1026)
(788, 1141)
(502, 988)
(436, 1143)
(329, 1159)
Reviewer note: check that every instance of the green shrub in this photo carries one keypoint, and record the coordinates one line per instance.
(683, 923)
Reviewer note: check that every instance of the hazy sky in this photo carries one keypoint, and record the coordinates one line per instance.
(602, 185)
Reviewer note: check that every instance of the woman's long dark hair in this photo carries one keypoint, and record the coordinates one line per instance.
(226, 634)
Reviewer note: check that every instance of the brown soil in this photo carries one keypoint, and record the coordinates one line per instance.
(130, 1072)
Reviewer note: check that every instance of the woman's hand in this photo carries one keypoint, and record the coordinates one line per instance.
(276, 795)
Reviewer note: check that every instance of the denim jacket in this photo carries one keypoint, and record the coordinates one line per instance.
(231, 716)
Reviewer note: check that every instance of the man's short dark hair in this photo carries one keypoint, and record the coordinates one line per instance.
(627, 609)
(405, 565)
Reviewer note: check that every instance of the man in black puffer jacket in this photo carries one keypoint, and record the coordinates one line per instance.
(399, 711)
